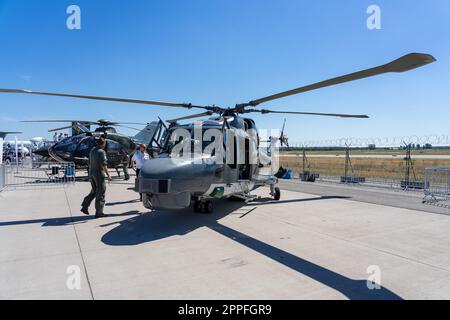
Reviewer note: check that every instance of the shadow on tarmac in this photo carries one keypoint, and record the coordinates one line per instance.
(60, 222)
(153, 227)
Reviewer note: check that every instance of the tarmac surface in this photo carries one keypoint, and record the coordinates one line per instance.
(318, 242)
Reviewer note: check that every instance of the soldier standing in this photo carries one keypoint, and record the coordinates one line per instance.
(126, 163)
(98, 169)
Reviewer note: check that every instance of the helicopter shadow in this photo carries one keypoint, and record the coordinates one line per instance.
(152, 227)
(268, 201)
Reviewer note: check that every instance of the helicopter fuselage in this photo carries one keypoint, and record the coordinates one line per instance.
(174, 181)
(77, 148)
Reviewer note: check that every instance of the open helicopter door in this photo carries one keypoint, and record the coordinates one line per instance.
(249, 162)
(151, 136)
(230, 174)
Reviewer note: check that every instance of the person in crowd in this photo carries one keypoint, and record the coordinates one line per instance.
(125, 163)
(138, 160)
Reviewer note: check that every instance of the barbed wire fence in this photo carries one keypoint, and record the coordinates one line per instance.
(380, 142)
(394, 162)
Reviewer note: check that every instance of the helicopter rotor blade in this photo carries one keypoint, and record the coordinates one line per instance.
(63, 128)
(282, 132)
(122, 126)
(284, 126)
(128, 123)
(78, 96)
(338, 115)
(59, 121)
(403, 64)
(98, 123)
(193, 116)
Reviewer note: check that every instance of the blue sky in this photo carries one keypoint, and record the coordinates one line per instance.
(224, 52)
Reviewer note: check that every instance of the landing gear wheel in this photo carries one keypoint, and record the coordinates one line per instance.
(197, 207)
(208, 207)
(277, 195)
(203, 207)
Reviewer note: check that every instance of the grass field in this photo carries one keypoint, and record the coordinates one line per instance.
(370, 168)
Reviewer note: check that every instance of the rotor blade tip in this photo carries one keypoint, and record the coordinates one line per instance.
(410, 61)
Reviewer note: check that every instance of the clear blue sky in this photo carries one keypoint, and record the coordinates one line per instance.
(225, 52)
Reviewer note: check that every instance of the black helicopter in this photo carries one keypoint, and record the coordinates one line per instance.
(77, 147)
(171, 182)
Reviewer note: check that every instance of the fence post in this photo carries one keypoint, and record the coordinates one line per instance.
(1, 151)
(17, 155)
(2, 177)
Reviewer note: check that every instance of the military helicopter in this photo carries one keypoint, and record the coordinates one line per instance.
(77, 147)
(173, 182)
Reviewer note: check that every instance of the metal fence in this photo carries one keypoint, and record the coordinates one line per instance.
(38, 175)
(394, 172)
(437, 184)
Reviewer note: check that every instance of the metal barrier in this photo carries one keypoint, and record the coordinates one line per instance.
(39, 175)
(437, 184)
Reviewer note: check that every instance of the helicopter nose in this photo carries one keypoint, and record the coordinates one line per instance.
(58, 153)
(43, 152)
(172, 182)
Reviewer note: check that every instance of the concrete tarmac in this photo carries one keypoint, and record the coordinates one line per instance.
(304, 247)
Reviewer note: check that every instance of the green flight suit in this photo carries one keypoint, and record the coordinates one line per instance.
(97, 161)
(126, 163)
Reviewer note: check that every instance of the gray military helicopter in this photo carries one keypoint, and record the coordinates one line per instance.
(173, 182)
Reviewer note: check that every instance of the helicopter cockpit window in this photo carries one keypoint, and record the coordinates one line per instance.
(71, 143)
(70, 140)
(86, 144)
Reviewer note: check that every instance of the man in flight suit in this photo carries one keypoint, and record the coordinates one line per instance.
(126, 163)
(98, 169)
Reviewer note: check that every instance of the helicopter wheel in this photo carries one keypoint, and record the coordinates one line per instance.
(203, 207)
(197, 206)
(208, 207)
(277, 195)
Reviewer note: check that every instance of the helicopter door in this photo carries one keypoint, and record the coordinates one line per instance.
(231, 167)
(245, 169)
